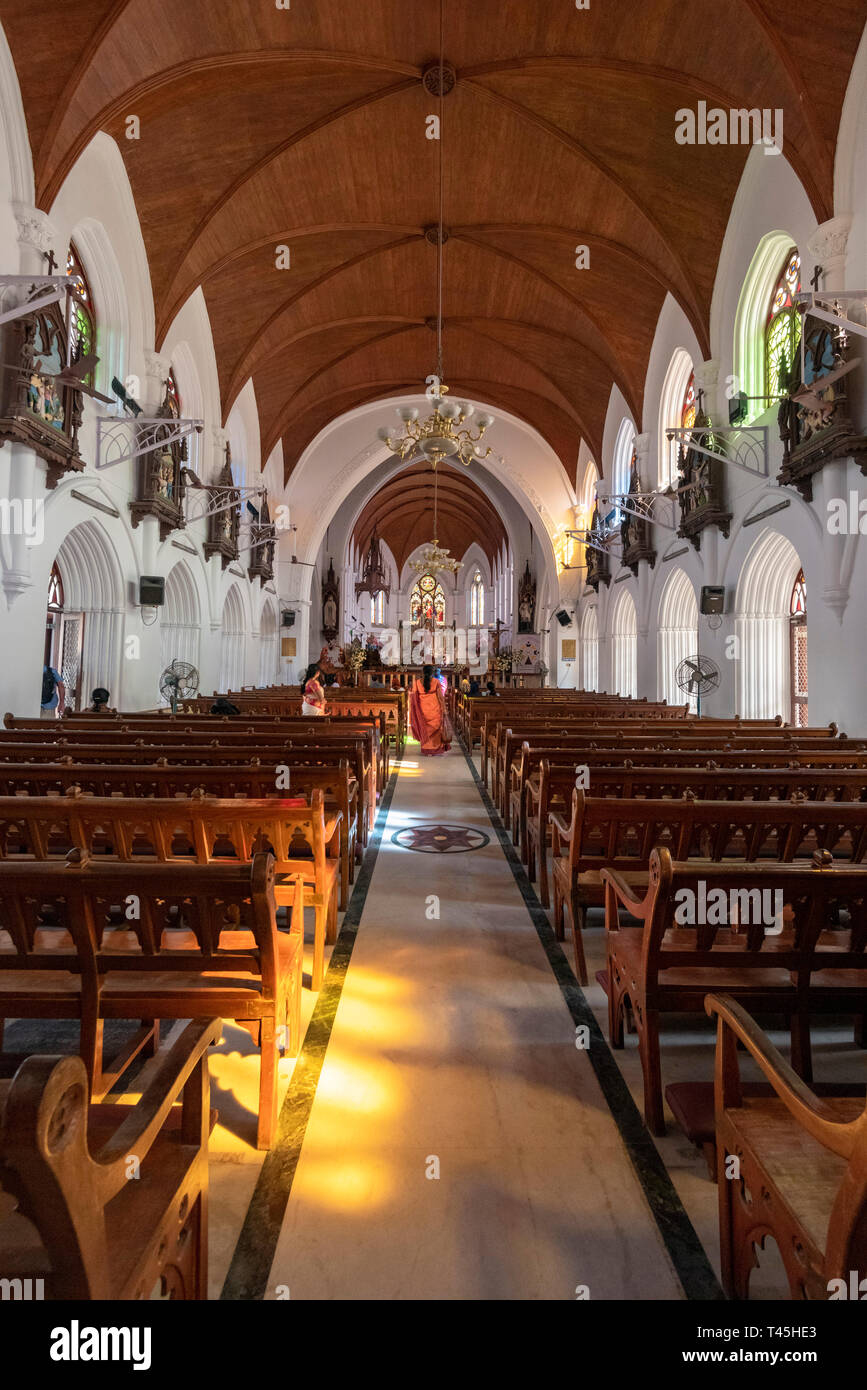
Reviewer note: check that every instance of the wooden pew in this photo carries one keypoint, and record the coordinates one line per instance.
(553, 791)
(197, 831)
(167, 779)
(618, 835)
(99, 1235)
(802, 1165)
(205, 945)
(663, 967)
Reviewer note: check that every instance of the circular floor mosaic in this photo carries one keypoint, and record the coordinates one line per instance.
(440, 839)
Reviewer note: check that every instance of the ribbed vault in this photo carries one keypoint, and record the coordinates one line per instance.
(306, 127)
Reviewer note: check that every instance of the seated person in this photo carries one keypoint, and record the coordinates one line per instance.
(223, 706)
(475, 686)
(100, 698)
(491, 689)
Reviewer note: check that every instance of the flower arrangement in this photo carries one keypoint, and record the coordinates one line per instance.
(503, 660)
(353, 655)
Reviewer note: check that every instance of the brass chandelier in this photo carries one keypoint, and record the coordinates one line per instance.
(440, 436)
(433, 558)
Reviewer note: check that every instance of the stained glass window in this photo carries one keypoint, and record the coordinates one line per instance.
(783, 330)
(477, 601)
(427, 602)
(377, 609)
(798, 606)
(82, 338)
(687, 410)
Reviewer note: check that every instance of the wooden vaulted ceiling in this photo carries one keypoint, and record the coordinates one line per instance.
(306, 126)
(402, 513)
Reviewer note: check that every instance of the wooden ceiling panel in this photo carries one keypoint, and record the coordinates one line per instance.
(306, 126)
(402, 513)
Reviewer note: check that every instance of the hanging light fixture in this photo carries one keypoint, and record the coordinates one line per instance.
(440, 436)
(433, 558)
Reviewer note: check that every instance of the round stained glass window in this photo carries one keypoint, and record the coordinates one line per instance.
(427, 584)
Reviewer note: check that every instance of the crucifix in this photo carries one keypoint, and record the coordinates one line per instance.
(814, 279)
(51, 259)
(699, 396)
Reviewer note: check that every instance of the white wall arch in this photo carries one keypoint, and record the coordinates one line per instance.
(762, 626)
(269, 645)
(680, 369)
(850, 185)
(181, 620)
(96, 206)
(93, 587)
(624, 645)
(622, 460)
(752, 316)
(589, 677)
(677, 634)
(233, 641)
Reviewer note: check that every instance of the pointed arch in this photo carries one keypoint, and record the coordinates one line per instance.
(762, 624)
(590, 649)
(624, 646)
(680, 369)
(677, 635)
(94, 609)
(233, 645)
(752, 316)
(180, 626)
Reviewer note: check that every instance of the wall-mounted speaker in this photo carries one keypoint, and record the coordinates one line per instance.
(151, 591)
(563, 618)
(288, 617)
(739, 408)
(713, 598)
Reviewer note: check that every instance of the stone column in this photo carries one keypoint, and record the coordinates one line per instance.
(828, 246)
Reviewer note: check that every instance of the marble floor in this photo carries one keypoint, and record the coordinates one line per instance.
(459, 1145)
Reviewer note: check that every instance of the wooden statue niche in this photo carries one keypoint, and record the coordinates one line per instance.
(330, 603)
(223, 525)
(635, 531)
(598, 563)
(37, 407)
(814, 418)
(527, 602)
(704, 502)
(160, 484)
(262, 543)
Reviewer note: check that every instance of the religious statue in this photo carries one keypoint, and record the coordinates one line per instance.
(701, 480)
(35, 409)
(160, 487)
(635, 531)
(527, 602)
(814, 418)
(330, 602)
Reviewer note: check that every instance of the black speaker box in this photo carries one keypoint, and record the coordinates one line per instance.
(151, 591)
(713, 598)
(288, 617)
(563, 618)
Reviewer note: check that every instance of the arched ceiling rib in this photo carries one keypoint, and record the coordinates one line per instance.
(402, 513)
(306, 127)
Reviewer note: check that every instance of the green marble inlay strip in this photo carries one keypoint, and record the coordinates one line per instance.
(250, 1269)
(684, 1247)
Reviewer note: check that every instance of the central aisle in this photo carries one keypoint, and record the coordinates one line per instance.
(459, 1146)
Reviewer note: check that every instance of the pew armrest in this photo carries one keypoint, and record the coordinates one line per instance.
(624, 893)
(819, 1119)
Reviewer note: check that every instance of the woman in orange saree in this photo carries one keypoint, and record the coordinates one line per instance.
(427, 715)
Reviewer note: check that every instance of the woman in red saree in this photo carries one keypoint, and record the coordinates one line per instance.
(427, 715)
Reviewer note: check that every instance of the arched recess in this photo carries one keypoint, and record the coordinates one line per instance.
(93, 614)
(180, 629)
(624, 646)
(677, 635)
(589, 679)
(622, 461)
(751, 319)
(269, 646)
(232, 644)
(763, 630)
(110, 303)
(671, 402)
